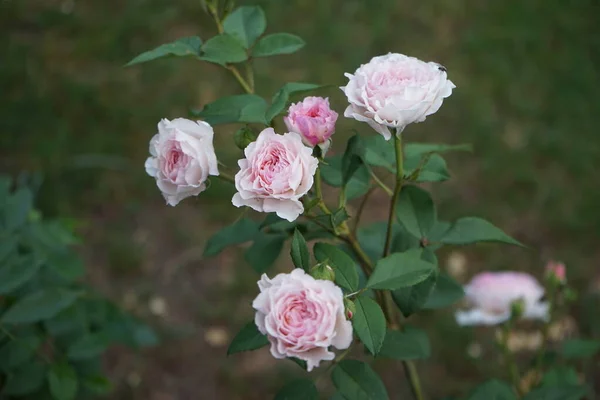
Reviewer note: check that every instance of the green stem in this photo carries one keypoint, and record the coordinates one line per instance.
(412, 375)
(240, 80)
(250, 75)
(319, 192)
(225, 177)
(509, 360)
(380, 183)
(397, 189)
(539, 361)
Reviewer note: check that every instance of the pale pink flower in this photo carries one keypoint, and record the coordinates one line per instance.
(394, 90)
(182, 158)
(302, 316)
(557, 269)
(277, 171)
(492, 294)
(313, 120)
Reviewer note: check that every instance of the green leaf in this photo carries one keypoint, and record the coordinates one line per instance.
(400, 270)
(380, 153)
(493, 390)
(416, 211)
(420, 149)
(248, 108)
(434, 169)
(17, 352)
(333, 220)
(97, 384)
(412, 299)
(39, 306)
(299, 251)
(8, 245)
(246, 24)
(264, 251)
(445, 293)
(72, 320)
(300, 389)
(25, 380)
(411, 344)
(223, 49)
(558, 392)
(560, 375)
(282, 97)
(144, 335)
(277, 43)
(17, 272)
(88, 346)
(355, 380)
(352, 158)
(184, 47)
(242, 230)
(62, 381)
(343, 265)
(276, 224)
(66, 265)
(359, 183)
(369, 323)
(469, 230)
(248, 338)
(579, 348)
(17, 208)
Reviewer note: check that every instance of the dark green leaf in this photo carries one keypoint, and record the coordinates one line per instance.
(493, 390)
(188, 46)
(17, 352)
(88, 346)
(243, 137)
(67, 265)
(355, 380)
(264, 251)
(416, 211)
(17, 272)
(39, 306)
(558, 392)
(301, 363)
(223, 49)
(352, 158)
(62, 381)
(580, 348)
(17, 208)
(246, 24)
(412, 299)
(277, 43)
(70, 320)
(301, 389)
(400, 270)
(560, 375)
(248, 338)
(420, 149)
(411, 344)
(369, 323)
(343, 265)
(380, 153)
(25, 380)
(299, 251)
(8, 245)
(445, 293)
(282, 97)
(434, 169)
(243, 230)
(359, 183)
(469, 230)
(231, 109)
(97, 384)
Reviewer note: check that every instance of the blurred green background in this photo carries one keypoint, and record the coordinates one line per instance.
(528, 80)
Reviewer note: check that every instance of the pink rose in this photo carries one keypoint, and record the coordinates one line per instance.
(182, 157)
(313, 119)
(492, 294)
(277, 171)
(395, 90)
(557, 270)
(302, 316)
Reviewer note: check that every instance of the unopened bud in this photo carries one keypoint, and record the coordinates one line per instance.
(243, 137)
(517, 308)
(349, 308)
(323, 271)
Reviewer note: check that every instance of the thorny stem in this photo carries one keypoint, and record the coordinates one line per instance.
(397, 189)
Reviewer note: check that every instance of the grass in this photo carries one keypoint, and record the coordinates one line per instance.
(527, 81)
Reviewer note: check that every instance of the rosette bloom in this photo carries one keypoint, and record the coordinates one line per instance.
(277, 171)
(181, 158)
(492, 294)
(313, 119)
(302, 316)
(394, 90)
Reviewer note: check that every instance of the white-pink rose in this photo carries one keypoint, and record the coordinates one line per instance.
(492, 294)
(302, 316)
(182, 157)
(313, 119)
(277, 171)
(394, 90)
